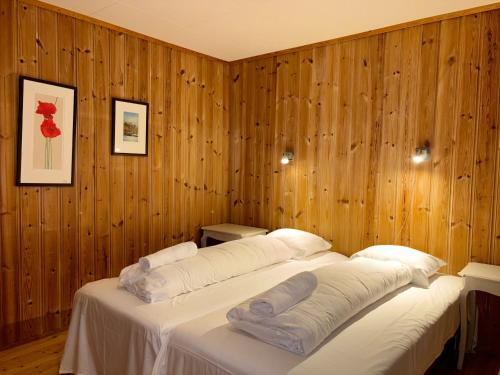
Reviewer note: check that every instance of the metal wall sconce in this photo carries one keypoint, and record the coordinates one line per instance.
(287, 157)
(422, 153)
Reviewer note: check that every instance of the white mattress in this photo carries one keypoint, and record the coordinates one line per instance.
(113, 332)
(403, 333)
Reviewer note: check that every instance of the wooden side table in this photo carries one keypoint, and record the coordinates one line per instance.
(229, 232)
(477, 276)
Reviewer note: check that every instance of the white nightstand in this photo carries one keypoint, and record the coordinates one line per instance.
(477, 276)
(229, 232)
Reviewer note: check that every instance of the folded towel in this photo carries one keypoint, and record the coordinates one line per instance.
(130, 275)
(343, 290)
(284, 295)
(133, 274)
(169, 255)
(148, 296)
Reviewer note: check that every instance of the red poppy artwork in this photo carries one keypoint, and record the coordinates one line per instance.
(48, 127)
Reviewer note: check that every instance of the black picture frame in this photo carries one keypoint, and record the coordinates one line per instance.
(21, 178)
(115, 127)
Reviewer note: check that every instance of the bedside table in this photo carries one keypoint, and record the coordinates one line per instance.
(477, 276)
(229, 232)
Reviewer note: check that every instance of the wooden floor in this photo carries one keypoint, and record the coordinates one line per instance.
(37, 357)
(481, 363)
(43, 356)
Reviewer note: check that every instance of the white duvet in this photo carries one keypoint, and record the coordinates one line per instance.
(113, 332)
(343, 290)
(211, 265)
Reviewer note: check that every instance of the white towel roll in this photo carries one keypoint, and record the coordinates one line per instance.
(284, 295)
(169, 255)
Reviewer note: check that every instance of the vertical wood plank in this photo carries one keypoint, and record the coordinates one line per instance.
(249, 140)
(271, 155)
(332, 188)
(158, 136)
(31, 291)
(85, 135)
(387, 183)
(236, 140)
(117, 163)
(486, 140)
(50, 196)
(219, 140)
(304, 133)
(311, 141)
(178, 74)
(370, 224)
(495, 246)
(69, 195)
(343, 78)
(102, 108)
(144, 163)
(188, 128)
(226, 133)
(426, 105)
(200, 179)
(258, 144)
(442, 151)
(9, 194)
(323, 59)
(361, 128)
(131, 163)
(279, 145)
(188, 95)
(290, 124)
(465, 130)
(207, 109)
(407, 131)
(170, 155)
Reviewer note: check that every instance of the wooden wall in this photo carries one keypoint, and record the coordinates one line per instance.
(55, 239)
(353, 112)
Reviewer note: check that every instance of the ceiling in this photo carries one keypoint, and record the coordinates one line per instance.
(235, 29)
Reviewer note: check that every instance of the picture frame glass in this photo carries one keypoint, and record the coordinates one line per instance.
(130, 127)
(46, 133)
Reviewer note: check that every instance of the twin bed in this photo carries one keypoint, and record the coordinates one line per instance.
(403, 333)
(114, 332)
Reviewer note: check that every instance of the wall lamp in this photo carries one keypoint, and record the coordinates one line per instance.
(287, 157)
(422, 153)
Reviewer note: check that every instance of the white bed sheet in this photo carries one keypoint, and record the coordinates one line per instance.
(113, 332)
(403, 333)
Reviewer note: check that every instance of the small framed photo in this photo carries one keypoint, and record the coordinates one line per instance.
(129, 127)
(46, 132)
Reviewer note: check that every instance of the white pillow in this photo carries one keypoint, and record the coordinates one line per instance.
(302, 243)
(423, 265)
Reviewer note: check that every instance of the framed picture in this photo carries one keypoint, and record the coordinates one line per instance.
(46, 133)
(129, 132)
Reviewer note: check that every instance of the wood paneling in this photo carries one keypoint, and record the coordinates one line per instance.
(55, 239)
(353, 112)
